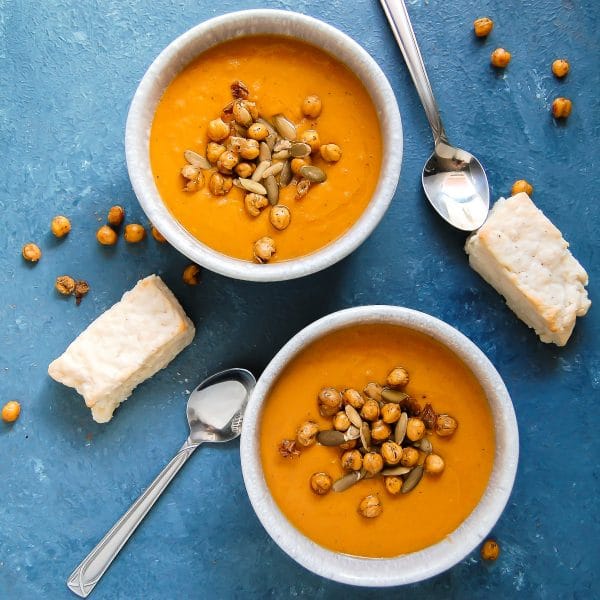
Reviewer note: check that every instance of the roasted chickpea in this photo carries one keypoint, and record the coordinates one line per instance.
(500, 58)
(264, 248)
(380, 431)
(65, 285)
(227, 162)
(241, 113)
(11, 411)
(158, 236)
(560, 67)
(116, 215)
(134, 233)
(306, 435)
(415, 429)
(393, 485)
(390, 413)
(373, 390)
(320, 483)
(434, 464)
(258, 131)
(280, 216)
(330, 152)
(490, 550)
(352, 460)
(81, 289)
(219, 184)
(250, 150)
(410, 457)
(341, 422)
(521, 186)
(191, 275)
(190, 172)
(213, 151)
(60, 226)
(370, 507)
(372, 463)
(297, 163)
(391, 452)
(397, 378)
(561, 108)
(312, 106)
(330, 401)
(483, 26)
(353, 398)
(311, 137)
(106, 235)
(445, 425)
(254, 203)
(217, 130)
(370, 410)
(31, 252)
(245, 169)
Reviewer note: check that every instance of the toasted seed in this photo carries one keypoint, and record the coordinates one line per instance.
(347, 481)
(281, 155)
(282, 145)
(286, 174)
(365, 435)
(331, 437)
(284, 126)
(253, 186)
(352, 433)
(196, 160)
(396, 471)
(393, 396)
(424, 445)
(241, 114)
(263, 165)
(302, 188)
(272, 189)
(411, 482)
(299, 150)
(313, 174)
(271, 139)
(264, 152)
(273, 170)
(353, 416)
(400, 429)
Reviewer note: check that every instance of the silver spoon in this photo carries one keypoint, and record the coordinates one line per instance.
(453, 179)
(215, 411)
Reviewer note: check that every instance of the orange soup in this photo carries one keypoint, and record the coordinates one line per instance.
(279, 74)
(409, 522)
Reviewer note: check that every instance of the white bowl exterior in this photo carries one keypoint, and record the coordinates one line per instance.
(230, 26)
(416, 566)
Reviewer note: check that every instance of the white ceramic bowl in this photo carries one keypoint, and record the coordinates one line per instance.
(254, 22)
(415, 566)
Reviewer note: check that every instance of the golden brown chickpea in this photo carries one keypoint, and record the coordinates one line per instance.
(134, 233)
(393, 485)
(373, 390)
(250, 150)
(390, 413)
(353, 398)
(312, 106)
(227, 162)
(490, 550)
(415, 429)
(391, 452)
(352, 460)
(307, 433)
(11, 411)
(297, 163)
(254, 203)
(245, 169)
(311, 137)
(330, 401)
(521, 186)
(60, 226)
(330, 152)
(500, 58)
(370, 410)
(31, 252)
(213, 151)
(341, 422)
(158, 236)
(397, 378)
(280, 216)
(219, 185)
(320, 483)
(241, 113)
(217, 130)
(380, 431)
(560, 67)
(106, 236)
(116, 215)
(264, 249)
(190, 172)
(372, 463)
(561, 108)
(410, 457)
(445, 425)
(65, 285)
(434, 464)
(258, 131)
(191, 275)
(370, 507)
(483, 26)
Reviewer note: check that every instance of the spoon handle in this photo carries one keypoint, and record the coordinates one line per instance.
(85, 577)
(397, 15)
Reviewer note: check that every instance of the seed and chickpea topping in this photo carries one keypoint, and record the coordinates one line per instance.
(191, 275)
(500, 58)
(561, 108)
(382, 433)
(560, 67)
(261, 156)
(11, 411)
(60, 226)
(490, 550)
(31, 252)
(521, 185)
(483, 26)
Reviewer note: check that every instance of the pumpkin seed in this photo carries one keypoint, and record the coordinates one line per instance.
(396, 471)
(284, 126)
(196, 160)
(299, 150)
(393, 396)
(365, 435)
(272, 190)
(331, 437)
(273, 170)
(424, 445)
(286, 174)
(253, 186)
(346, 482)
(353, 415)
(400, 429)
(259, 171)
(282, 145)
(352, 433)
(411, 482)
(281, 155)
(264, 152)
(313, 174)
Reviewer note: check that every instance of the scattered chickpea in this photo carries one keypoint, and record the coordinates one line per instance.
(341, 422)
(227, 162)
(330, 401)
(434, 464)
(372, 463)
(245, 169)
(561, 108)
(307, 433)
(312, 106)
(31, 252)
(330, 152)
(250, 150)
(217, 130)
(60, 226)
(65, 285)
(370, 507)
(410, 457)
(157, 235)
(106, 236)
(257, 131)
(483, 26)
(445, 425)
(415, 429)
(11, 411)
(297, 163)
(213, 151)
(352, 460)
(81, 289)
(500, 58)
(219, 185)
(380, 431)
(370, 410)
(522, 185)
(390, 413)
(254, 203)
(391, 452)
(373, 390)
(264, 248)
(320, 483)
(560, 67)
(393, 485)
(490, 550)
(397, 378)
(134, 233)
(280, 217)
(190, 172)
(311, 137)
(191, 275)
(353, 398)
(116, 215)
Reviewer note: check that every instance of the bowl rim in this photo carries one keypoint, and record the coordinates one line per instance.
(240, 24)
(415, 566)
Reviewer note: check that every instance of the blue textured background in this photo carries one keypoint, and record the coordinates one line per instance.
(68, 70)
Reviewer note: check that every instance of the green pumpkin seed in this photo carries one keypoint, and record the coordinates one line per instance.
(424, 445)
(272, 190)
(393, 396)
(284, 126)
(264, 152)
(260, 170)
(253, 186)
(299, 150)
(352, 433)
(273, 170)
(196, 160)
(286, 174)
(353, 415)
(396, 471)
(313, 174)
(346, 482)
(330, 437)
(411, 482)
(400, 429)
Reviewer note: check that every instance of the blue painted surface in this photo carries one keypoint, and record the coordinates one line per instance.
(68, 70)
